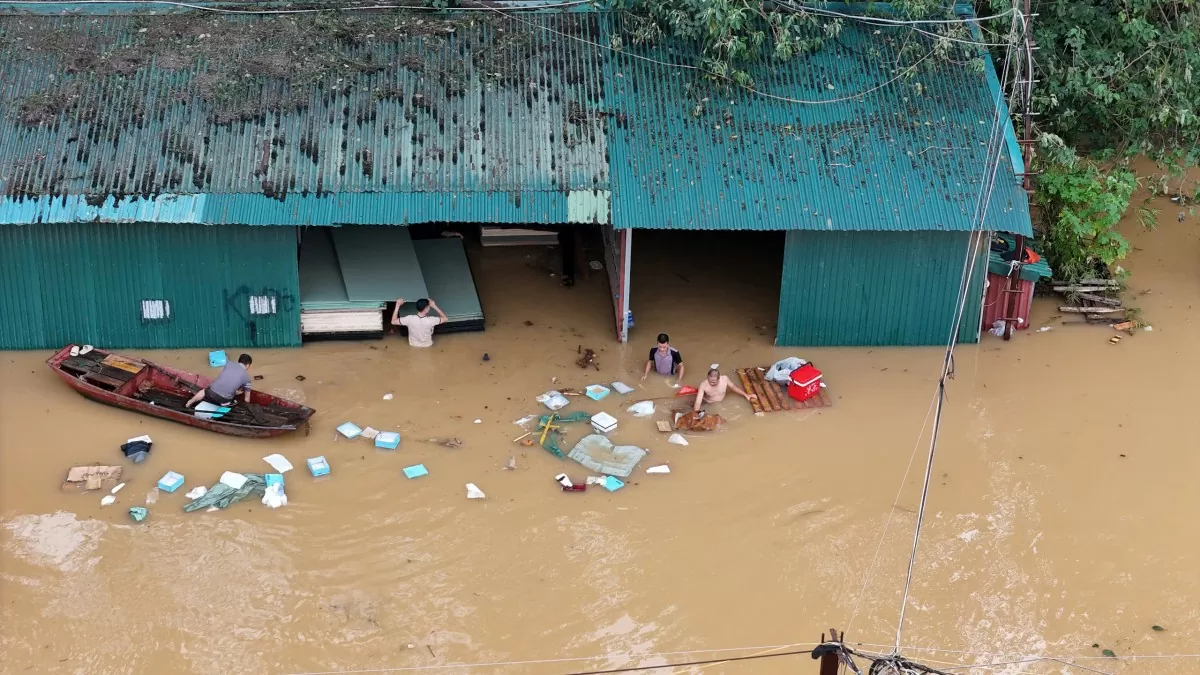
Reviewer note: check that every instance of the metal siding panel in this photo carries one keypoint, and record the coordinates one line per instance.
(85, 284)
(892, 159)
(21, 308)
(421, 136)
(875, 288)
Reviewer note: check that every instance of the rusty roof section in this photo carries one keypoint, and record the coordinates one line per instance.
(907, 154)
(113, 109)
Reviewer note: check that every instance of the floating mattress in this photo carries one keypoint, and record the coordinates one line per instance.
(450, 282)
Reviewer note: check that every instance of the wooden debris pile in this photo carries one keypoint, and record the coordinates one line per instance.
(1098, 300)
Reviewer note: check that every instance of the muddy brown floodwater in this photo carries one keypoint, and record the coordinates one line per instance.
(1062, 514)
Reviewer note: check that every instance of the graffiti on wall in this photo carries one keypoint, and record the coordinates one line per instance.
(249, 305)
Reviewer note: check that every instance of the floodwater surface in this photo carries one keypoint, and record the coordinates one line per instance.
(1060, 516)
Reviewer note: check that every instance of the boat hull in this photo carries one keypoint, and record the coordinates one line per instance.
(152, 377)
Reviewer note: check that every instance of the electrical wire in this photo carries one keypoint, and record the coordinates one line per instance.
(902, 22)
(986, 188)
(634, 669)
(318, 10)
(719, 76)
(577, 659)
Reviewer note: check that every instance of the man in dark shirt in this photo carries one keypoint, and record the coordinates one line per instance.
(664, 359)
(234, 378)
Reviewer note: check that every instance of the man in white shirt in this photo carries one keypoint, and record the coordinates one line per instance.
(420, 325)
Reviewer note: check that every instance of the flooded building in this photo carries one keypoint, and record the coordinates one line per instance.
(189, 180)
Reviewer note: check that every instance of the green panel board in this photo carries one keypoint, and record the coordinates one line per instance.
(448, 277)
(877, 288)
(378, 263)
(138, 285)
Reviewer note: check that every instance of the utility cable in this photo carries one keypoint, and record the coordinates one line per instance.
(687, 664)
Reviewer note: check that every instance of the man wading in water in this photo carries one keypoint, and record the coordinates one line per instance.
(664, 359)
(713, 390)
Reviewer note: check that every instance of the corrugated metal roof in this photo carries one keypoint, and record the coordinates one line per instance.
(867, 289)
(687, 156)
(468, 117)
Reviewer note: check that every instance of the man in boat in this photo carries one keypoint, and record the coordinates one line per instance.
(420, 325)
(713, 390)
(664, 359)
(233, 380)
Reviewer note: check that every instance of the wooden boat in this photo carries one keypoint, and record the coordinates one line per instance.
(159, 391)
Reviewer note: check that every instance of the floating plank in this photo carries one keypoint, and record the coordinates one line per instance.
(123, 363)
(1090, 310)
(754, 382)
(378, 264)
(756, 405)
(760, 385)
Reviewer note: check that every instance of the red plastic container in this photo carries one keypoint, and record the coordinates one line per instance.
(805, 382)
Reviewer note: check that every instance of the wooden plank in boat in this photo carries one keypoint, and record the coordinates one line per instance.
(122, 363)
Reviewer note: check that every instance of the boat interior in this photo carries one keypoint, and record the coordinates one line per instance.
(150, 384)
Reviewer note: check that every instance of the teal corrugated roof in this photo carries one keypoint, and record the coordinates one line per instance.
(695, 157)
(374, 118)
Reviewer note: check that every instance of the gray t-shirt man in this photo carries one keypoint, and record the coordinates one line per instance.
(232, 378)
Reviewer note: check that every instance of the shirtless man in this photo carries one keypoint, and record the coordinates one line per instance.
(713, 390)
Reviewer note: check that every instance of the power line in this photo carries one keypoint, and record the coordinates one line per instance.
(634, 669)
(318, 10)
(986, 189)
(577, 659)
(724, 78)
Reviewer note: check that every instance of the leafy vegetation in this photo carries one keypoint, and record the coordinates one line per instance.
(1081, 203)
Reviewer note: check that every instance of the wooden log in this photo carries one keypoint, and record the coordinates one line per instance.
(1107, 318)
(781, 392)
(1090, 297)
(759, 381)
(760, 392)
(1080, 289)
(1107, 283)
(746, 386)
(1089, 310)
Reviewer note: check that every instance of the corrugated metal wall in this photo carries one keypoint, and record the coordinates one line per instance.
(87, 283)
(876, 288)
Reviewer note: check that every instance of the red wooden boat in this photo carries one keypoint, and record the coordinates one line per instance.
(159, 391)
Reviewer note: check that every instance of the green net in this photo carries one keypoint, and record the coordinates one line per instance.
(550, 443)
(221, 495)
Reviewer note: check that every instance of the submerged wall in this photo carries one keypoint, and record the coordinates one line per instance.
(876, 288)
(148, 286)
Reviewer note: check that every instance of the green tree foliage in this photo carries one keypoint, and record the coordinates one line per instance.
(734, 36)
(1082, 203)
(1120, 73)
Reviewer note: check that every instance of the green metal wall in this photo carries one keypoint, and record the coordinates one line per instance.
(876, 288)
(85, 283)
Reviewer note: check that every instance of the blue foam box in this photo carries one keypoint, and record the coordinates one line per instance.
(416, 471)
(349, 430)
(274, 479)
(170, 482)
(317, 466)
(388, 440)
(217, 359)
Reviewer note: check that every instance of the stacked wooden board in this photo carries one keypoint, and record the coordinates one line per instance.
(348, 275)
(450, 283)
(773, 397)
(325, 305)
(513, 236)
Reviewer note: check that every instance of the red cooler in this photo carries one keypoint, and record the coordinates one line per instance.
(805, 382)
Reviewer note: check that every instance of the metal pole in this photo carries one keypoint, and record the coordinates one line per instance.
(829, 659)
(1012, 290)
